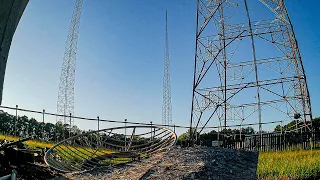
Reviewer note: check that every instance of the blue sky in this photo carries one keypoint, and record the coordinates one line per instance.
(120, 57)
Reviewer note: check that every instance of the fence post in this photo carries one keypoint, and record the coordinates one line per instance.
(151, 130)
(218, 136)
(174, 128)
(43, 111)
(98, 123)
(313, 138)
(125, 134)
(70, 126)
(263, 142)
(15, 123)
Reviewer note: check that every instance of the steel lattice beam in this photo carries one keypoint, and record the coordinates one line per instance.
(233, 78)
(65, 104)
(166, 107)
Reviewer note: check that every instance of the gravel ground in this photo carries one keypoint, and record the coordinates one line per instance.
(130, 171)
(206, 163)
(183, 163)
(178, 163)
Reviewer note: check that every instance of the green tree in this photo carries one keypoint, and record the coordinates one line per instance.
(247, 130)
(184, 136)
(292, 125)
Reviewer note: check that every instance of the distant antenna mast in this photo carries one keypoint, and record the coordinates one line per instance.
(166, 108)
(65, 103)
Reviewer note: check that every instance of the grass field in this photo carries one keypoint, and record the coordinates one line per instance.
(69, 152)
(300, 164)
(30, 143)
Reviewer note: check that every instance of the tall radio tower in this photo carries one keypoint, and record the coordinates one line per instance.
(247, 68)
(166, 107)
(65, 103)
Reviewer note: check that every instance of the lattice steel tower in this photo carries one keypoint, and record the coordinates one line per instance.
(248, 68)
(166, 107)
(65, 103)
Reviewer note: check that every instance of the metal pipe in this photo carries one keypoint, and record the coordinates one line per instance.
(194, 76)
(255, 66)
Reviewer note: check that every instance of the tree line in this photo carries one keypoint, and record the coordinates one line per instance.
(239, 135)
(22, 126)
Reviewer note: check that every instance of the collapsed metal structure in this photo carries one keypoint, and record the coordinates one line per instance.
(247, 67)
(108, 147)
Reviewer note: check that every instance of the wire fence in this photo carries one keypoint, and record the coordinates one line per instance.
(99, 120)
(275, 141)
(125, 121)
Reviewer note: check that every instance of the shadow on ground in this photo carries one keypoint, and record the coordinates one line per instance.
(29, 171)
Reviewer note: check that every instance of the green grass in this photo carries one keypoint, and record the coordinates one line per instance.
(31, 143)
(70, 152)
(298, 164)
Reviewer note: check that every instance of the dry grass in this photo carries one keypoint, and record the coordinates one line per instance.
(300, 164)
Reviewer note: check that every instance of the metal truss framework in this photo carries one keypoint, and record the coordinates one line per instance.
(166, 107)
(65, 103)
(247, 69)
(99, 148)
